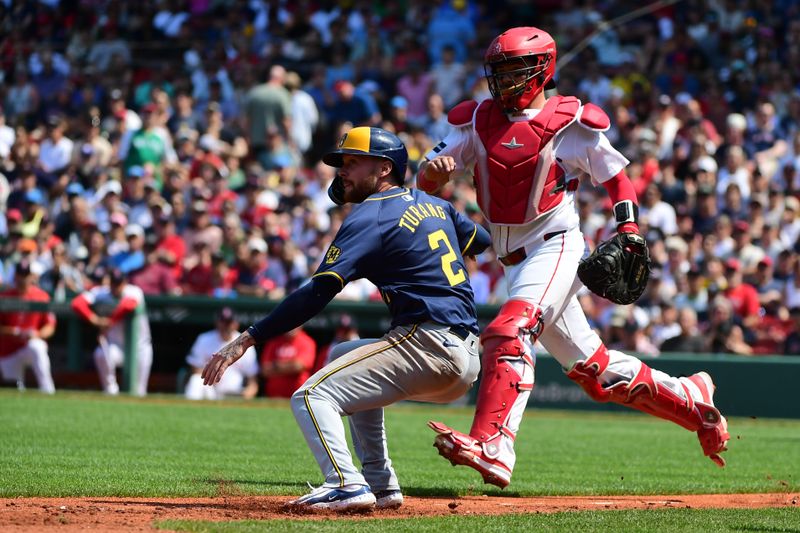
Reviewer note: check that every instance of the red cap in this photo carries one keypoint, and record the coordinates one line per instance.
(741, 225)
(341, 84)
(767, 261)
(733, 264)
(14, 215)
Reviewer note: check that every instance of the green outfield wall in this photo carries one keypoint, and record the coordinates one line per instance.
(747, 386)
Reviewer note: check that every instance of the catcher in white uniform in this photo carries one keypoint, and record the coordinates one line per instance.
(527, 153)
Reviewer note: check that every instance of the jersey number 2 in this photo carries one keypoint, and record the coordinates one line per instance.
(435, 240)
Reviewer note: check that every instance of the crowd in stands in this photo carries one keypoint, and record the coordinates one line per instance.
(179, 141)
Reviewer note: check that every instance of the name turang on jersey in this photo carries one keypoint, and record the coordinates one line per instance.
(414, 214)
(400, 235)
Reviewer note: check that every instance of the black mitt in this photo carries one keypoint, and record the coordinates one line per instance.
(618, 269)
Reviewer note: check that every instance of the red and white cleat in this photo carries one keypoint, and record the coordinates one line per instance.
(714, 435)
(462, 449)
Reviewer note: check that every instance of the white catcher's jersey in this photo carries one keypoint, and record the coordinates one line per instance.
(578, 150)
(116, 334)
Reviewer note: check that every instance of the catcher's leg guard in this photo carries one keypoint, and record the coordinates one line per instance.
(503, 394)
(693, 410)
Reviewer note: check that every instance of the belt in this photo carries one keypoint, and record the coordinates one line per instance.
(519, 255)
(514, 258)
(461, 332)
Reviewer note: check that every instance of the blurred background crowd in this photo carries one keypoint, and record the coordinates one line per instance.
(179, 141)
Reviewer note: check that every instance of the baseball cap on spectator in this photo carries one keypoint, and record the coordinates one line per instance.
(792, 203)
(706, 163)
(34, 196)
(118, 218)
(14, 215)
(54, 120)
(136, 171)
(736, 121)
(74, 189)
(399, 102)
(683, 98)
(257, 245)
(676, 243)
(134, 230)
(87, 150)
(226, 315)
(109, 187)
(733, 264)
(115, 94)
(199, 206)
(149, 108)
(27, 246)
(342, 85)
(741, 226)
(765, 262)
(664, 100)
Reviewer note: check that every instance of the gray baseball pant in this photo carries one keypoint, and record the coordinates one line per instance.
(424, 362)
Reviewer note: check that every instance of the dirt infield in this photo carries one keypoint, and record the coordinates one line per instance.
(139, 514)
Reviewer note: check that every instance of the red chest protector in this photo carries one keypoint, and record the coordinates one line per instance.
(521, 179)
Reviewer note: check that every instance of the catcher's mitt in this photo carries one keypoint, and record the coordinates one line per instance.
(618, 269)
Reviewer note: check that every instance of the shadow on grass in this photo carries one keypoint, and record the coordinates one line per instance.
(228, 487)
(216, 482)
(442, 492)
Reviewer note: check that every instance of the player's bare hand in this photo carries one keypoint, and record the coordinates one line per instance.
(442, 164)
(225, 357)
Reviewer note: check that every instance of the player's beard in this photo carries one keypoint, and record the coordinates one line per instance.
(356, 191)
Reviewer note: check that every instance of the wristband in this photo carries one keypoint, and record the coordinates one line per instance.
(626, 212)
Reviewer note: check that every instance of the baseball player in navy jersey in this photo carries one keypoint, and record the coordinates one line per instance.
(527, 153)
(411, 246)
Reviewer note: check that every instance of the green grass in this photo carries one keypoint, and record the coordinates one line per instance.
(629, 521)
(86, 444)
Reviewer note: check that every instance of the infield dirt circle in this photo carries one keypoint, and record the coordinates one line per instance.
(139, 514)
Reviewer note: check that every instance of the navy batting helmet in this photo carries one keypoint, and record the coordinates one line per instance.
(376, 142)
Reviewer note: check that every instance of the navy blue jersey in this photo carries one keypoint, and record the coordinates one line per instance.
(410, 245)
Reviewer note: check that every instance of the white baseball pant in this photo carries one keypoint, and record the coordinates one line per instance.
(34, 355)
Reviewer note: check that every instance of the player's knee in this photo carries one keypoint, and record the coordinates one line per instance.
(504, 335)
(298, 401)
(38, 346)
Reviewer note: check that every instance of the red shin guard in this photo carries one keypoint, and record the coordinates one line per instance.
(643, 394)
(502, 383)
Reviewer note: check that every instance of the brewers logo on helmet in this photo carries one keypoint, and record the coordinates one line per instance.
(369, 141)
(375, 142)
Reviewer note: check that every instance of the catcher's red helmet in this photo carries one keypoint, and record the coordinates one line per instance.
(518, 64)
